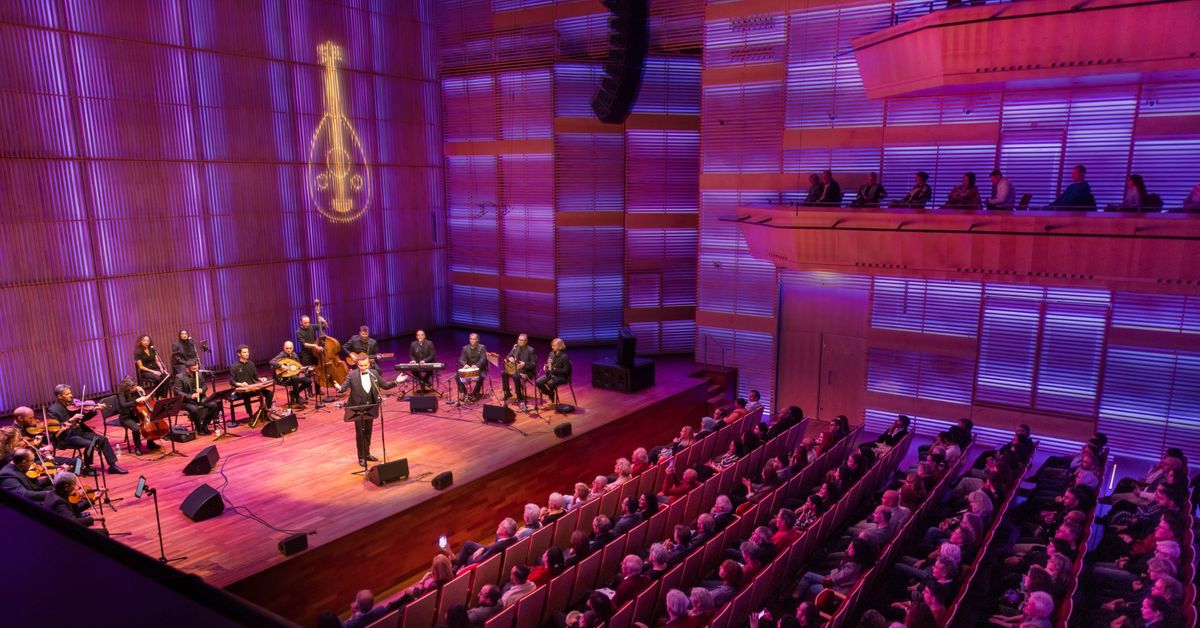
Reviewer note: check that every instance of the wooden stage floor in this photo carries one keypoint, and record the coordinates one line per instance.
(304, 482)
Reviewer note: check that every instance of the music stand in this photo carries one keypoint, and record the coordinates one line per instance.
(168, 409)
(365, 412)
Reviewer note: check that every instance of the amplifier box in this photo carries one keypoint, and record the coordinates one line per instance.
(609, 375)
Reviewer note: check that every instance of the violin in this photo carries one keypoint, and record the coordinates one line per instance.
(39, 469)
(81, 494)
(86, 406)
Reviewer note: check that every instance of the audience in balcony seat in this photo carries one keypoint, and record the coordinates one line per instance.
(473, 553)
(860, 555)
(363, 611)
(440, 572)
(648, 505)
(532, 516)
(831, 191)
(676, 486)
(1078, 195)
(870, 194)
(1191, 203)
(678, 608)
(660, 561)
(518, 586)
(580, 547)
(1004, 197)
(633, 581)
(731, 582)
(894, 434)
(1136, 197)
(602, 533)
(965, 196)
(489, 604)
(755, 398)
(918, 195)
(554, 510)
(630, 516)
(641, 461)
(552, 564)
(815, 190)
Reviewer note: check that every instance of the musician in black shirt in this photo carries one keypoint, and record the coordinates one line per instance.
(421, 351)
(295, 382)
(128, 396)
(473, 354)
(522, 361)
(307, 335)
(362, 343)
(183, 351)
(76, 433)
(558, 372)
(245, 373)
(150, 373)
(191, 384)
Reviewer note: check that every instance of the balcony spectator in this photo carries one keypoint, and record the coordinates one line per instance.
(965, 196)
(918, 195)
(1003, 194)
(754, 398)
(1191, 203)
(1078, 195)
(815, 190)
(1137, 198)
(831, 191)
(363, 611)
(869, 194)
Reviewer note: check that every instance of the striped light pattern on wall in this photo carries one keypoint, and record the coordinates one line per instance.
(782, 98)
(154, 164)
(566, 226)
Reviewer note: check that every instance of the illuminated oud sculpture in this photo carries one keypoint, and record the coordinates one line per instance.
(339, 178)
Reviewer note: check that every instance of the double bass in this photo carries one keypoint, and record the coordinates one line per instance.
(330, 369)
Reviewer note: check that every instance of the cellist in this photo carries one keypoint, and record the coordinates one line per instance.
(128, 396)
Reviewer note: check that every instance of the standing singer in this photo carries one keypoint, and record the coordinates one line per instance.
(364, 385)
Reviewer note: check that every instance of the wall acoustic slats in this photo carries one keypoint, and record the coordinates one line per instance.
(156, 160)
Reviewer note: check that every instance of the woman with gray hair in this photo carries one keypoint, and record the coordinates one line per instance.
(532, 518)
(703, 606)
(677, 609)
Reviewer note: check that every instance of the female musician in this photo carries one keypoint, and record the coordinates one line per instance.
(149, 368)
(128, 396)
(557, 372)
(10, 439)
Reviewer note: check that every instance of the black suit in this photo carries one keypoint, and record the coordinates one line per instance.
(524, 354)
(360, 396)
(17, 483)
(64, 509)
(473, 356)
(80, 435)
(200, 412)
(423, 351)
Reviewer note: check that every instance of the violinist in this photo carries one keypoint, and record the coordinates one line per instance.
(147, 365)
(183, 351)
(308, 336)
(295, 382)
(245, 373)
(191, 385)
(128, 396)
(75, 431)
(14, 477)
(58, 501)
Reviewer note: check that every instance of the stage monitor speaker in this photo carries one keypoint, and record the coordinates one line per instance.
(443, 480)
(499, 414)
(422, 403)
(281, 426)
(204, 462)
(608, 375)
(626, 347)
(388, 472)
(562, 430)
(203, 503)
(628, 44)
(294, 544)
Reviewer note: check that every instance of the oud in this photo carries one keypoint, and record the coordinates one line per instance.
(338, 175)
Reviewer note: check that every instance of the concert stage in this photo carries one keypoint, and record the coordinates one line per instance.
(368, 536)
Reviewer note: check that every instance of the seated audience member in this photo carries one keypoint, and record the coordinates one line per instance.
(1004, 197)
(580, 547)
(553, 564)
(724, 459)
(602, 606)
(965, 196)
(678, 607)
(623, 472)
(674, 487)
(599, 486)
(932, 609)
(660, 561)
(489, 604)
(633, 581)
(648, 505)
(687, 436)
(473, 553)
(519, 586)
(870, 193)
(706, 528)
(731, 582)
(532, 518)
(602, 533)
(918, 195)
(1136, 198)
(860, 555)
(554, 510)
(1191, 203)
(785, 529)
(739, 411)
(1157, 613)
(582, 493)
(630, 516)
(641, 461)
(894, 434)
(754, 398)
(363, 611)
(815, 190)
(831, 191)
(1078, 195)
(680, 544)
(440, 572)
(703, 606)
(708, 425)
(722, 512)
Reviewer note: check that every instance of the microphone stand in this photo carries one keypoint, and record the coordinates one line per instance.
(162, 553)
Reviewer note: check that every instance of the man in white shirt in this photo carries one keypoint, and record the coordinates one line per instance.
(755, 401)
(1003, 195)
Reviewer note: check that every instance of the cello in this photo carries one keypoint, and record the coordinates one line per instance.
(330, 369)
(151, 429)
